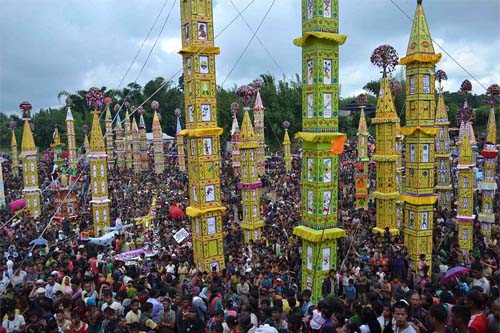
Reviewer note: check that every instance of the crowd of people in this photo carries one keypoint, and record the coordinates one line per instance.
(72, 286)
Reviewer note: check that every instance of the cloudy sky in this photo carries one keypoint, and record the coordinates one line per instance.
(54, 45)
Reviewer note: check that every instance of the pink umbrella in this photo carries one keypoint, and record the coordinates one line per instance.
(16, 205)
(454, 273)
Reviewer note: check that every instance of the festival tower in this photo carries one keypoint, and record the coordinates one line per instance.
(386, 194)
(2, 185)
(320, 92)
(70, 134)
(86, 143)
(119, 140)
(419, 197)
(258, 118)
(159, 159)
(443, 187)
(465, 214)
(31, 191)
(249, 182)
(13, 149)
(488, 186)
(108, 121)
(287, 153)
(361, 176)
(57, 147)
(179, 143)
(235, 138)
(98, 167)
(144, 145)
(399, 176)
(128, 140)
(202, 133)
(136, 147)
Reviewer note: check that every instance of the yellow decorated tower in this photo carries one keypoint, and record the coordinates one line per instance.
(399, 176)
(128, 139)
(57, 147)
(136, 147)
(320, 125)
(13, 149)
(489, 185)
(202, 133)
(443, 153)
(258, 118)
(110, 146)
(144, 144)
(70, 134)
(31, 191)
(361, 176)
(235, 138)
(419, 196)
(119, 140)
(98, 167)
(287, 153)
(386, 129)
(465, 214)
(159, 158)
(249, 181)
(179, 142)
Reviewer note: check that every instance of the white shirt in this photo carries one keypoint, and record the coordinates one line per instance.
(50, 291)
(13, 325)
(115, 306)
(483, 283)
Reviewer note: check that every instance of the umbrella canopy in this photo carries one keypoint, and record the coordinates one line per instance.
(39, 242)
(455, 272)
(175, 212)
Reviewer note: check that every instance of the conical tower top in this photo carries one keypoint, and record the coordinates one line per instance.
(362, 127)
(465, 158)
(235, 128)
(156, 121)
(441, 112)
(13, 140)
(108, 114)
(472, 135)
(134, 126)
(118, 122)
(69, 114)
(491, 129)
(247, 132)
(96, 138)
(259, 106)
(385, 103)
(420, 47)
(142, 124)
(56, 136)
(27, 143)
(178, 127)
(286, 139)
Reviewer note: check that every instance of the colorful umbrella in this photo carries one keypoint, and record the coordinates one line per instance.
(39, 242)
(175, 212)
(455, 272)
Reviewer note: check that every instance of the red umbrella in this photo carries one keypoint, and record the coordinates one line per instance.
(175, 212)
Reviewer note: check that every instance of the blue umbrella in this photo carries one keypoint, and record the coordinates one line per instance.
(39, 242)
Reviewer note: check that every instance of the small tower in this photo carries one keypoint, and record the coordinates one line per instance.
(386, 127)
(70, 134)
(361, 176)
(249, 180)
(128, 139)
(399, 176)
(159, 158)
(108, 120)
(235, 138)
(31, 190)
(443, 154)
(119, 140)
(179, 142)
(258, 117)
(489, 185)
(465, 215)
(136, 147)
(13, 149)
(57, 147)
(98, 168)
(144, 144)
(86, 143)
(287, 153)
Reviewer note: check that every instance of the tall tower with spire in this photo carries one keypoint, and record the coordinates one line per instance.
(128, 139)
(13, 149)
(258, 118)
(2, 186)
(465, 215)
(119, 140)
(287, 153)
(86, 143)
(399, 176)
(110, 147)
(70, 134)
(57, 147)
(386, 127)
(320, 92)
(489, 185)
(144, 144)
(443, 153)
(159, 159)
(136, 147)
(361, 176)
(250, 183)
(202, 133)
(98, 168)
(419, 197)
(235, 138)
(31, 190)
(179, 143)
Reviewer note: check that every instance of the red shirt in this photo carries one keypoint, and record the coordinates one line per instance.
(478, 323)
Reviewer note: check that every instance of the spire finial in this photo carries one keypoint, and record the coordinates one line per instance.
(419, 2)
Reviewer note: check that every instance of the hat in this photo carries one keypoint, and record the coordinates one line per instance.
(54, 273)
(91, 300)
(127, 279)
(40, 291)
(40, 281)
